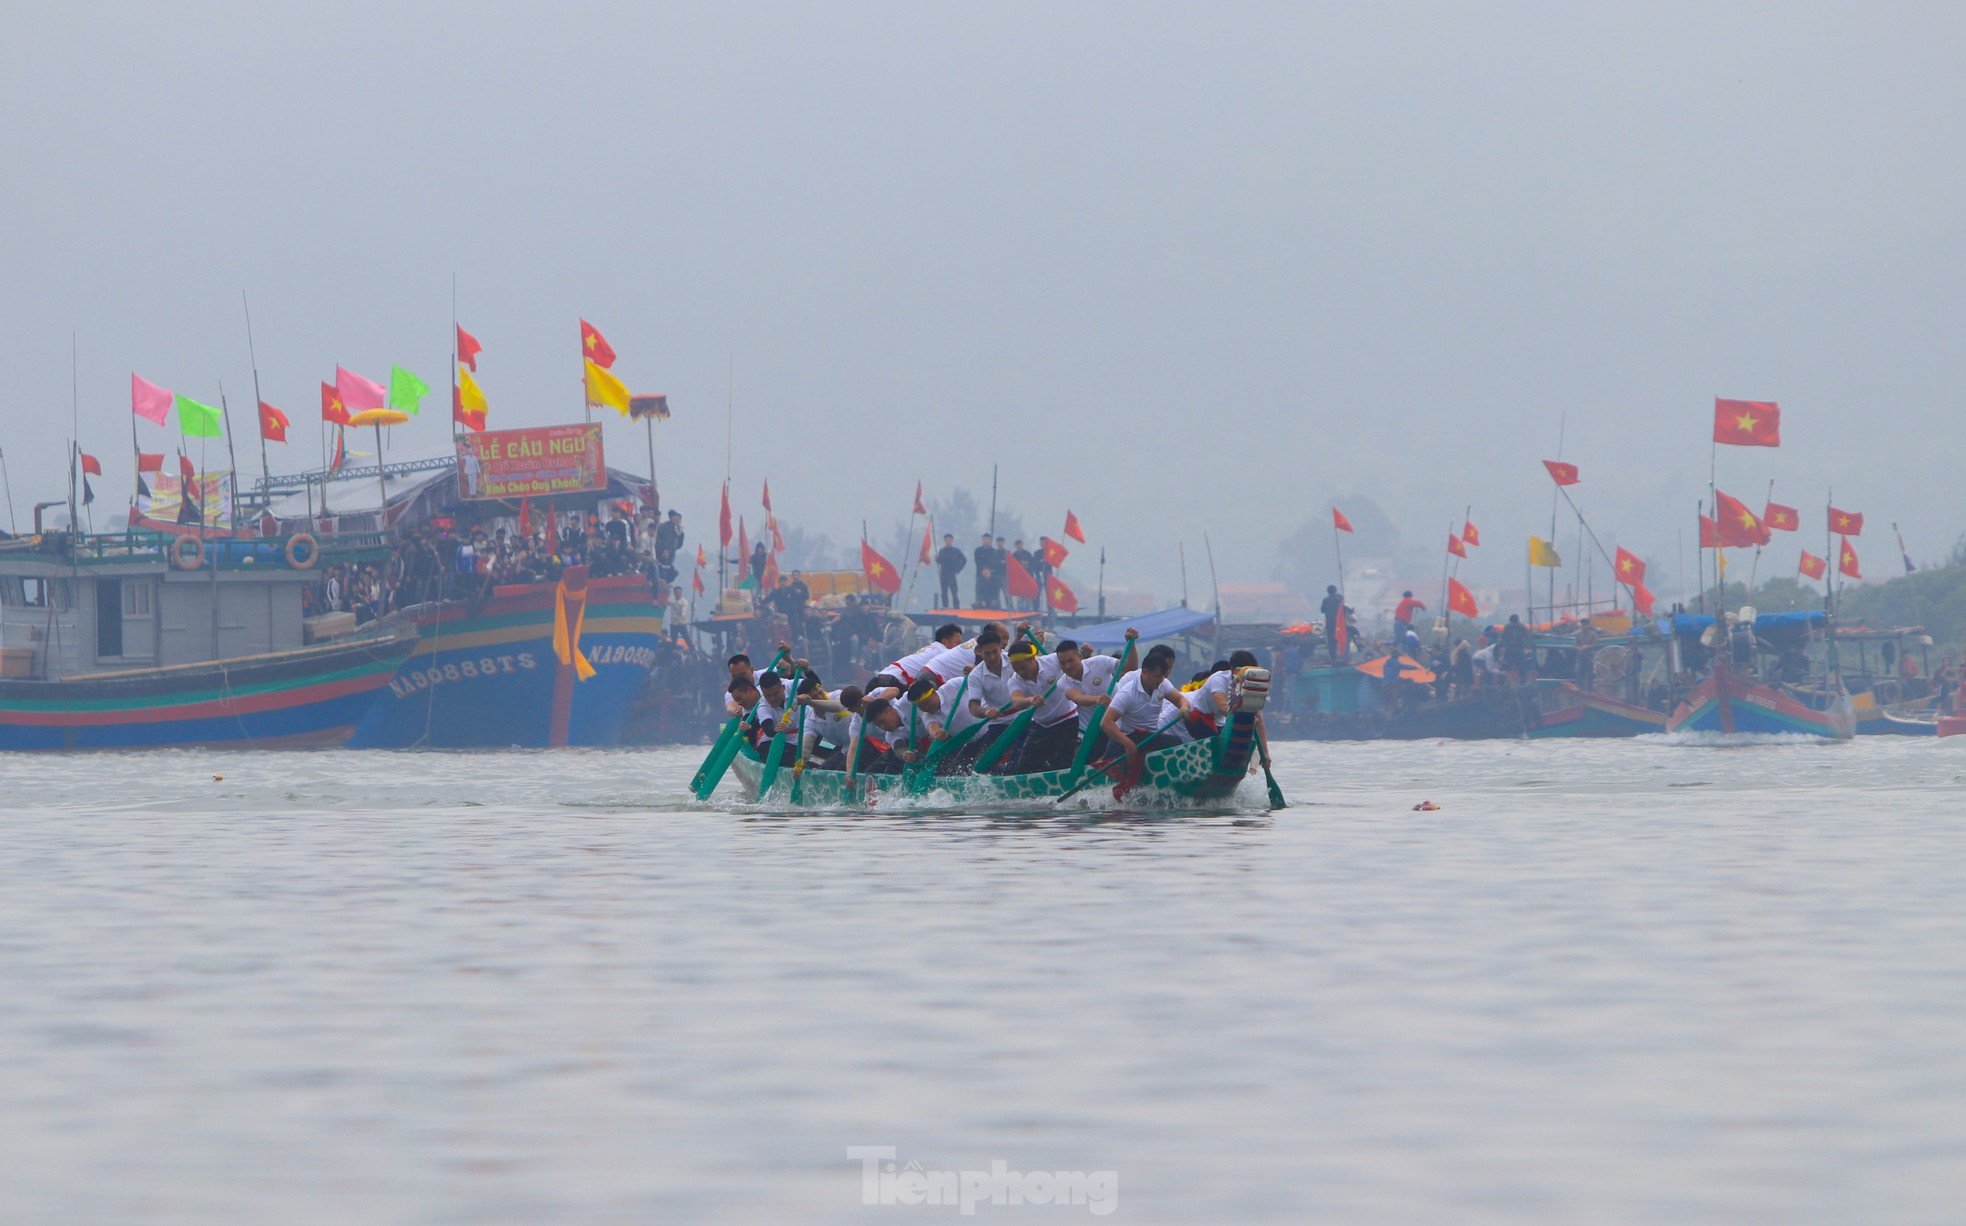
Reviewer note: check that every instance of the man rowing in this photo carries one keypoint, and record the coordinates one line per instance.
(1053, 737)
(898, 675)
(1133, 717)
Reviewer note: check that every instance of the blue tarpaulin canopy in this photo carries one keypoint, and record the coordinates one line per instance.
(1692, 624)
(1166, 624)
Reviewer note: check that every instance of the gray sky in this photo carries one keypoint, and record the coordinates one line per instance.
(1176, 267)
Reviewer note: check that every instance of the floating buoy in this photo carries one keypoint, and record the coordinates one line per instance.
(218, 778)
(1425, 806)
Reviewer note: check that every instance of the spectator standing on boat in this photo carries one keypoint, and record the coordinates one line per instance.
(758, 560)
(1332, 609)
(1461, 670)
(670, 535)
(1403, 616)
(1586, 640)
(989, 573)
(1027, 560)
(949, 561)
(1516, 643)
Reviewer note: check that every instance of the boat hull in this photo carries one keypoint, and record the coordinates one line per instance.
(486, 675)
(1574, 712)
(1727, 703)
(309, 698)
(1195, 773)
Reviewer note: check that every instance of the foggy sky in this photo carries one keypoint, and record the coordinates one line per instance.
(1176, 267)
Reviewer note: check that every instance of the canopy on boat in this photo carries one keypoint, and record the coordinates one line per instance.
(1691, 625)
(1166, 624)
(1407, 669)
(1010, 617)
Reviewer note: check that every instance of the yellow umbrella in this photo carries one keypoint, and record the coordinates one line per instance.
(378, 417)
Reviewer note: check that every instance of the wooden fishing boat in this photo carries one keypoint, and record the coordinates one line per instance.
(502, 671)
(311, 697)
(1571, 711)
(1728, 702)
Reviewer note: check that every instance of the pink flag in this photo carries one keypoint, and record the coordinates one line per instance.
(148, 401)
(357, 394)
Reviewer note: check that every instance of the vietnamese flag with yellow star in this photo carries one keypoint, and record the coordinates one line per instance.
(879, 571)
(1747, 423)
(1630, 567)
(1739, 527)
(1846, 523)
(1778, 518)
(594, 347)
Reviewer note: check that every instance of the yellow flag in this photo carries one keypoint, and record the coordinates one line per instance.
(1542, 553)
(469, 395)
(603, 387)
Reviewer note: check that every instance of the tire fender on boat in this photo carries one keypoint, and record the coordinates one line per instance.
(187, 553)
(303, 551)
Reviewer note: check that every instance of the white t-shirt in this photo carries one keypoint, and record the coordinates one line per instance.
(835, 730)
(991, 689)
(953, 716)
(899, 736)
(1055, 709)
(1097, 675)
(1139, 710)
(1203, 698)
(953, 662)
(908, 666)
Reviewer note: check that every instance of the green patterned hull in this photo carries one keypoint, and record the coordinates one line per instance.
(1198, 773)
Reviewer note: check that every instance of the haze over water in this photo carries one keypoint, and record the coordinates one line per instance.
(1604, 981)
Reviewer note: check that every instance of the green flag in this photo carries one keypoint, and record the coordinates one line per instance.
(196, 420)
(406, 391)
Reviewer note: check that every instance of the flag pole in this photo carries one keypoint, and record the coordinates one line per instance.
(13, 525)
(1214, 584)
(456, 403)
(265, 469)
(381, 485)
(1754, 568)
(75, 426)
(232, 455)
(655, 495)
(136, 457)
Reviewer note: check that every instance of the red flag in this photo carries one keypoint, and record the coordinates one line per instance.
(1778, 518)
(1709, 533)
(90, 464)
(919, 508)
(186, 472)
(769, 579)
(340, 456)
(272, 423)
(723, 520)
(879, 571)
(1846, 523)
(1561, 473)
(1747, 423)
(928, 544)
(468, 348)
(1017, 580)
(595, 346)
(767, 493)
(1846, 559)
(525, 517)
(1060, 597)
(1340, 632)
(150, 461)
(1642, 597)
(696, 581)
(1456, 546)
(1469, 534)
(701, 560)
(1338, 521)
(1740, 528)
(743, 546)
(1461, 600)
(331, 406)
(1630, 567)
(1072, 528)
(1054, 553)
(777, 541)
(1812, 566)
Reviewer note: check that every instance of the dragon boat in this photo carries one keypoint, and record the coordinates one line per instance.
(1199, 773)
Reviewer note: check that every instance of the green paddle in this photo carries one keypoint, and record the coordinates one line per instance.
(776, 754)
(1010, 733)
(1276, 793)
(799, 765)
(724, 752)
(920, 773)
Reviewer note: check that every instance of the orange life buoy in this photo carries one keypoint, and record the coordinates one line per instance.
(187, 553)
(302, 551)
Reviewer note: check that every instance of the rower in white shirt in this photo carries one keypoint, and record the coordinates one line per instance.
(900, 674)
(1135, 709)
(1053, 737)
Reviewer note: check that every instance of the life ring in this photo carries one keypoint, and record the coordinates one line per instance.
(302, 551)
(187, 553)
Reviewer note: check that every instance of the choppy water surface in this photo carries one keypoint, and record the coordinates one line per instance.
(1619, 981)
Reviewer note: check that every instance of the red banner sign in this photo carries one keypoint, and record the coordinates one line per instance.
(537, 463)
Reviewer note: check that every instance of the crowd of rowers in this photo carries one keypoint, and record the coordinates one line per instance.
(968, 692)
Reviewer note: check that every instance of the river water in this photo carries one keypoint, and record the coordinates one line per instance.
(1619, 981)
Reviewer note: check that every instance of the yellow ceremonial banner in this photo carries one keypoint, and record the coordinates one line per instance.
(1542, 553)
(470, 396)
(604, 388)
